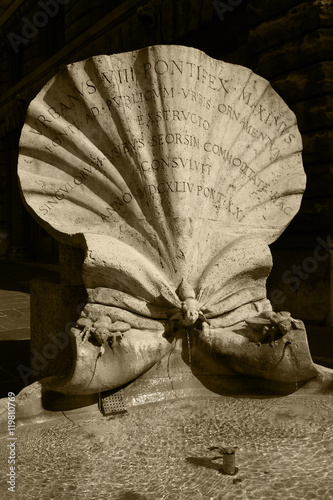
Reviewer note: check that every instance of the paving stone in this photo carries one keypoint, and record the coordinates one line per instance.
(22, 333)
(13, 300)
(11, 293)
(12, 322)
(6, 305)
(25, 310)
(12, 313)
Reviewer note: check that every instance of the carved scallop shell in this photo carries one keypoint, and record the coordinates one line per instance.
(165, 164)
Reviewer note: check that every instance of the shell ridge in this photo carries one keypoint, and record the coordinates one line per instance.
(73, 83)
(281, 159)
(136, 272)
(237, 136)
(237, 99)
(108, 175)
(113, 187)
(102, 124)
(236, 287)
(267, 196)
(136, 217)
(214, 278)
(167, 224)
(72, 167)
(252, 109)
(162, 170)
(269, 201)
(125, 302)
(238, 313)
(82, 144)
(164, 237)
(230, 303)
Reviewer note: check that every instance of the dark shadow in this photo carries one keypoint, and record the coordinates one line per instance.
(55, 401)
(258, 336)
(244, 386)
(209, 371)
(13, 353)
(130, 495)
(204, 462)
(16, 276)
(209, 463)
(216, 376)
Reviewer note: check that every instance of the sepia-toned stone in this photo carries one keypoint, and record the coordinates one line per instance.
(173, 172)
(303, 18)
(259, 11)
(316, 45)
(313, 81)
(320, 179)
(315, 113)
(318, 146)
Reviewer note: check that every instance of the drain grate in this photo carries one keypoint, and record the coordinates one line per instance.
(112, 403)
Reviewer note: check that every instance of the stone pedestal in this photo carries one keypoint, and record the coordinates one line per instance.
(55, 307)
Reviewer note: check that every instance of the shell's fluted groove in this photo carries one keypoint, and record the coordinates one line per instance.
(166, 165)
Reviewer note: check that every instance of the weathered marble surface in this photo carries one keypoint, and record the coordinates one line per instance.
(167, 167)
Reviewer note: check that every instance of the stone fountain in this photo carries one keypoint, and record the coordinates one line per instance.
(173, 172)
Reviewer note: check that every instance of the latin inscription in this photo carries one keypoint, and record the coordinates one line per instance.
(150, 119)
(63, 191)
(140, 97)
(156, 192)
(77, 96)
(175, 162)
(56, 124)
(198, 190)
(162, 67)
(268, 118)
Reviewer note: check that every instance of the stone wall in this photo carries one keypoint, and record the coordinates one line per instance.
(291, 44)
(3, 198)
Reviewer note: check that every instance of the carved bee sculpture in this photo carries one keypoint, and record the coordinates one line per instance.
(190, 310)
(103, 331)
(272, 325)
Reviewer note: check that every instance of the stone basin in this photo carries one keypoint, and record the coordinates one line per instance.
(154, 443)
(160, 451)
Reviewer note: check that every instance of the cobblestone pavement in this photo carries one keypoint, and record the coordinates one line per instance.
(15, 280)
(15, 298)
(14, 338)
(14, 315)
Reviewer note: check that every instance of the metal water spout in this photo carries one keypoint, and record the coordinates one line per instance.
(229, 466)
(228, 454)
